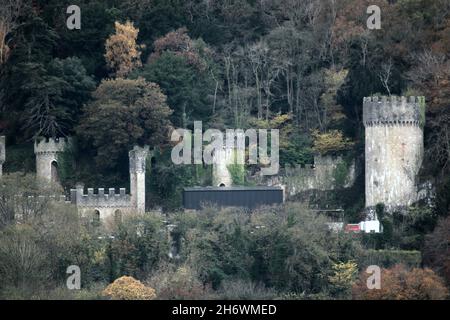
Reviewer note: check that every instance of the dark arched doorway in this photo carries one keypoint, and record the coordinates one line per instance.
(54, 172)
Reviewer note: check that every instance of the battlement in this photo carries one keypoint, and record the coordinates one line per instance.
(100, 199)
(50, 145)
(137, 157)
(394, 111)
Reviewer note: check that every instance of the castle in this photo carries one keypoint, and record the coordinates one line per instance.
(100, 206)
(393, 157)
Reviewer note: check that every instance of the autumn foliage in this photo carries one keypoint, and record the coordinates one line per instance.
(399, 283)
(122, 51)
(128, 288)
(330, 142)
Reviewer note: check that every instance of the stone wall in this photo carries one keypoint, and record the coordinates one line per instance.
(393, 150)
(325, 174)
(106, 204)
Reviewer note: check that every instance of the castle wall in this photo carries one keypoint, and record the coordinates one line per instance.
(393, 150)
(322, 176)
(107, 204)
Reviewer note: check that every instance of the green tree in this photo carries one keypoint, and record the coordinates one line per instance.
(123, 113)
(188, 89)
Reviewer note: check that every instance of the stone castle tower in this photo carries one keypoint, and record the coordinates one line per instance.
(221, 159)
(47, 151)
(138, 157)
(2, 153)
(393, 150)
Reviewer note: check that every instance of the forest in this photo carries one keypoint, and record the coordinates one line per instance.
(136, 70)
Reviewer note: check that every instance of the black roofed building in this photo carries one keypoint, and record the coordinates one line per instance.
(246, 197)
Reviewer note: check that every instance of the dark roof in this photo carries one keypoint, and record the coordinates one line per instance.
(252, 188)
(249, 197)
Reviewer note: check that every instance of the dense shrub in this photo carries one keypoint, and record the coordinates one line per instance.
(389, 258)
(180, 283)
(401, 283)
(128, 288)
(287, 248)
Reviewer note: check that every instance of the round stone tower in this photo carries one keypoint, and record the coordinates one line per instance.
(222, 158)
(393, 150)
(47, 151)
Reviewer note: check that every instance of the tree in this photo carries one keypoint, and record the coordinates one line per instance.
(23, 264)
(20, 201)
(399, 283)
(123, 113)
(56, 95)
(128, 288)
(122, 52)
(437, 249)
(331, 142)
(286, 248)
(344, 274)
(140, 245)
(10, 11)
(188, 89)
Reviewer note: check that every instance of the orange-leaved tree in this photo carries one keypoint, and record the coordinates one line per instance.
(128, 288)
(401, 283)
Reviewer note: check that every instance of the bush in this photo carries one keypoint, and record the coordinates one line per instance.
(180, 283)
(437, 249)
(401, 283)
(287, 248)
(331, 142)
(389, 258)
(128, 288)
(245, 290)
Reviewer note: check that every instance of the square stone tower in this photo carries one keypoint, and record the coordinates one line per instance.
(393, 150)
(138, 157)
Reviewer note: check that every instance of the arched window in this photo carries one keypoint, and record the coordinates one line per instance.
(118, 216)
(96, 218)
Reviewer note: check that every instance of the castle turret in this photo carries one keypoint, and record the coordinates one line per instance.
(47, 151)
(222, 158)
(2, 153)
(138, 157)
(393, 149)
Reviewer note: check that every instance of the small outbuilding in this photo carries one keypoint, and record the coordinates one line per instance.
(247, 197)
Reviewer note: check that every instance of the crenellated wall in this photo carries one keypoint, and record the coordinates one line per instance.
(106, 205)
(100, 199)
(393, 149)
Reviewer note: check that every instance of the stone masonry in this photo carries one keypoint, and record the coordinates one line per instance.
(393, 150)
